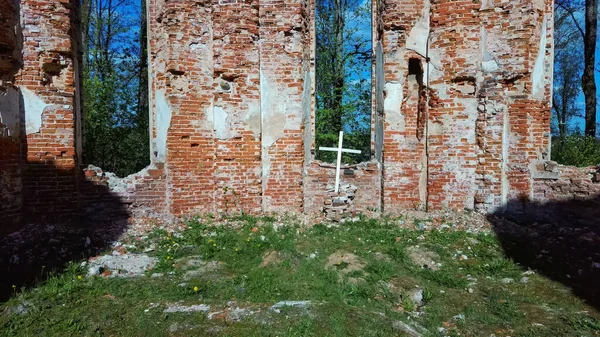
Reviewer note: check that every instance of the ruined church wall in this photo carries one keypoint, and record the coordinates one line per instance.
(488, 71)
(48, 86)
(462, 108)
(227, 84)
(11, 135)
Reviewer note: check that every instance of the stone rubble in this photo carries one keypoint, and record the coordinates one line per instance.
(122, 265)
(339, 207)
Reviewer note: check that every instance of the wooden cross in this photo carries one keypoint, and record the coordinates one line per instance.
(339, 151)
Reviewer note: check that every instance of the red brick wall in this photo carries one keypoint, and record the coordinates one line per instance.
(11, 185)
(233, 122)
(50, 174)
(321, 178)
(485, 122)
(571, 183)
(11, 138)
(225, 70)
(403, 136)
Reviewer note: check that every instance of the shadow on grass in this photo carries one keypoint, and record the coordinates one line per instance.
(66, 218)
(560, 240)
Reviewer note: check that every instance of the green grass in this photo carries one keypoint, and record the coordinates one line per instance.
(465, 297)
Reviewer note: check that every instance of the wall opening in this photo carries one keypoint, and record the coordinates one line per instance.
(115, 89)
(343, 68)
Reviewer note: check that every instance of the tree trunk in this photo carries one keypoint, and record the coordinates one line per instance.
(339, 73)
(588, 82)
(142, 111)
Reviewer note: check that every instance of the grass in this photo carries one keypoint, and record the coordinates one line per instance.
(465, 297)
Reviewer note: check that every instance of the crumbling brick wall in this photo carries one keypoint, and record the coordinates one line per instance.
(11, 123)
(559, 183)
(227, 82)
(488, 80)
(462, 98)
(461, 94)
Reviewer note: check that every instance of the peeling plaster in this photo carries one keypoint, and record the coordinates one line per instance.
(391, 105)
(505, 146)
(10, 113)
(253, 119)
(537, 75)
(221, 124)
(488, 63)
(306, 110)
(34, 108)
(419, 34)
(273, 112)
(163, 122)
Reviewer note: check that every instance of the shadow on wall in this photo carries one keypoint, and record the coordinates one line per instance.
(560, 240)
(69, 219)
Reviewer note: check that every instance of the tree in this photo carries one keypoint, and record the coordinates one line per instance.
(114, 86)
(589, 35)
(343, 71)
(567, 71)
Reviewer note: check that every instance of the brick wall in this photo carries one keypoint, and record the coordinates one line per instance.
(11, 135)
(558, 183)
(47, 76)
(231, 77)
(320, 182)
(462, 98)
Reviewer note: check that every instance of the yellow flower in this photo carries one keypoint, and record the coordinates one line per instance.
(79, 277)
(236, 249)
(214, 244)
(195, 288)
(168, 257)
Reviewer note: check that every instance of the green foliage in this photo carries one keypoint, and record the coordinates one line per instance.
(343, 73)
(114, 104)
(71, 304)
(576, 150)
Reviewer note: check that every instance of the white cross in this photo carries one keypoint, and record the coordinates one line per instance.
(339, 151)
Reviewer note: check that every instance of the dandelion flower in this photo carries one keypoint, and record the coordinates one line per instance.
(195, 289)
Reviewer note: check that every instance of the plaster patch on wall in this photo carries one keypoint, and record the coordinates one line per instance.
(488, 63)
(34, 108)
(537, 75)
(306, 109)
(253, 119)
(419, 34)
(10, 113)
(391, 105)
(273, 112)
(221, 125)
(163, 122)
(210, 117)
(504, 164)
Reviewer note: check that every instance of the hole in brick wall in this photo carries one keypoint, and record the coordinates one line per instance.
(194, 145)
(176, 72)
(415, 68)
(115, 84)
(343, 62)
